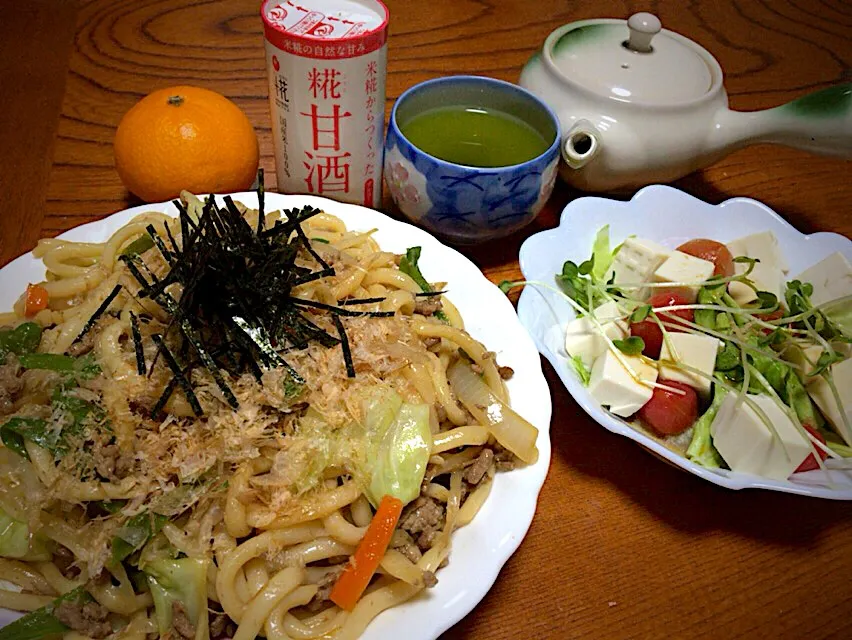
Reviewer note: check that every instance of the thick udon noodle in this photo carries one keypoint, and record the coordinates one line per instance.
(266, 555)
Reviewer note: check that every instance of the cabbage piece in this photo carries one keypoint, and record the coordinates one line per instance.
(400, 460)
(17, 542)
(21, 492)
(183, 581)
(506, 425)
(380, 409)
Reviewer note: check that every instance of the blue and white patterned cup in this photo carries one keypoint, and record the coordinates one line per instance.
(460, 203)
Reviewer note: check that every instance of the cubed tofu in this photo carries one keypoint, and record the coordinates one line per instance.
(807, 356)
(697, 352)
(831, 278)
(820, 392)
(763, 246)
(748, 445)
(612, 386)
(636, 262)
(685, 270)
(768, 273)
(583, 339)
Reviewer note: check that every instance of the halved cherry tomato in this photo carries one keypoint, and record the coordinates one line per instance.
(810, 463)
(712, 251)
(649, 330)
(35, 300)
(769, 317)
(668, 412)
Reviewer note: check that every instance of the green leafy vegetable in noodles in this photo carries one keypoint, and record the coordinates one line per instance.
(24, 338)
(408, 264)
(41, 623)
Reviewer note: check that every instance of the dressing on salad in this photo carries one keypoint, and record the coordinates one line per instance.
(715, 350)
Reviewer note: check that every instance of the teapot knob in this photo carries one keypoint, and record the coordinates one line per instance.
(643, 27)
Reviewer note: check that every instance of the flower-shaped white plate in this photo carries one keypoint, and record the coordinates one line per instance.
(481, 548)
(669, 217)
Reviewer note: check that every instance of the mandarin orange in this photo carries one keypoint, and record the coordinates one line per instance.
(185, 137)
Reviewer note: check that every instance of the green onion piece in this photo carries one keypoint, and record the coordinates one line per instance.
(41, 623)
(138, 246)
(24, 338)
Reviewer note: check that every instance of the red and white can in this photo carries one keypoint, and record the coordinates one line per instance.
(327, 61)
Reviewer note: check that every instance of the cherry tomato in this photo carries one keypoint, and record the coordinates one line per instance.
(668, 412)
(769, 317)
(649, 330)
(712, 251)
(810, 462)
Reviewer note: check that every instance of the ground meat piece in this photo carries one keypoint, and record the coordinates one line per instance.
(426, 517)
(428, 306)
(82, 347)
(10, 384)
(88, 619)
(217, 625)
(431, 341)
(476, 368)
(325, 585)
(427, 539)
(181, 623)
(429, 579)
(506, 372)
(478, 469)
(64, 560)
(411, 551)
(506, 460)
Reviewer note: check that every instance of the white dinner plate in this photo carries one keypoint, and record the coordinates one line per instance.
(481, 548)
(669, 217)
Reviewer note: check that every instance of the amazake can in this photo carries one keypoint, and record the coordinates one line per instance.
(326, 61)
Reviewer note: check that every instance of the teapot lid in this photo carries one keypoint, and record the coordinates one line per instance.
(636, 61)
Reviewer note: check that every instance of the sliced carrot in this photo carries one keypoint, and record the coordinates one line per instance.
(36, 299)
(364, 562)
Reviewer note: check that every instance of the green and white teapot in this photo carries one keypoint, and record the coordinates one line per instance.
(640, 104)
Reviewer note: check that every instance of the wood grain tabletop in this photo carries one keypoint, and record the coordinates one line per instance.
(622, 545)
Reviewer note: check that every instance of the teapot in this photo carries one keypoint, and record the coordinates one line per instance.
(639, 104)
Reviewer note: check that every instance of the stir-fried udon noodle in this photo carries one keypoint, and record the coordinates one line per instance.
(179, 459)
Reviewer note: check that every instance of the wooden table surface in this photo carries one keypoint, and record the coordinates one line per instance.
(622, 545)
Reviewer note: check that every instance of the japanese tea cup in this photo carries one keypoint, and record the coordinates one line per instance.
(461, 203)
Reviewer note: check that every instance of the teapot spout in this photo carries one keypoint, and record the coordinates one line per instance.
(820, 122)
(580, 144)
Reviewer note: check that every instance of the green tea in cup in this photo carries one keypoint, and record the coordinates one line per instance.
(475, 136)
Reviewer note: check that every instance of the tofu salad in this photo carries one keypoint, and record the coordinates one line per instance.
(716, 351)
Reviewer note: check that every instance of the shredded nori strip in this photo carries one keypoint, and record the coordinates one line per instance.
(343, 303)
(171, 239)
(178, 374)
(137, 345)
(344, 344)
(164, 397)
(158, 242)
(98, 313)
(236, 312)
(261, 214)
(341, 312)
(428, 294)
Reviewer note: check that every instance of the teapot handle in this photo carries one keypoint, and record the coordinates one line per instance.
(580, 144)
(819, 122)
